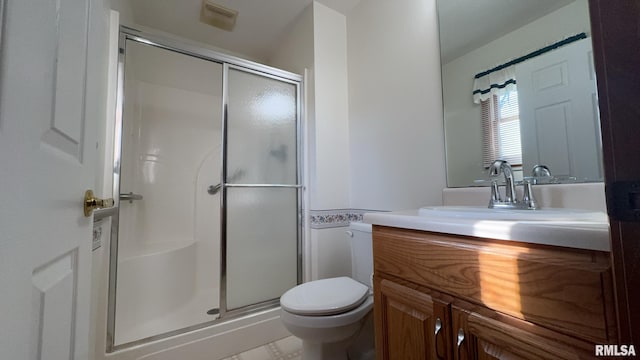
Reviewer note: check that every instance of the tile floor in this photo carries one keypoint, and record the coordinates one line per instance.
(289, 348)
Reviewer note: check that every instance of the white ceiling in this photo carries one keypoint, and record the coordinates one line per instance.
(259, 25)
(464, 24)
(468, 24)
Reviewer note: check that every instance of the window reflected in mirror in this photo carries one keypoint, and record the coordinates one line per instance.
(501, 129)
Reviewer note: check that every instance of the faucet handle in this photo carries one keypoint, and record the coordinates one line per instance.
(528, 199)
(495, 194)
(496, 167)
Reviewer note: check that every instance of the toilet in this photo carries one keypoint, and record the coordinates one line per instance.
(333, 317)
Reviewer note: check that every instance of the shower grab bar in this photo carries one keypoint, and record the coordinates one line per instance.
(264, 185)
(214, 189)
(130, 197)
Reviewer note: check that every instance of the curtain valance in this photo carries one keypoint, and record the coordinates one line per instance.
(494, 83)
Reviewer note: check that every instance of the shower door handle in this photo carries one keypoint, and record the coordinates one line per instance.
(130, 197)
(214, 189)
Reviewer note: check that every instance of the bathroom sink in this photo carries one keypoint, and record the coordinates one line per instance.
(484, 213)
(573, 228)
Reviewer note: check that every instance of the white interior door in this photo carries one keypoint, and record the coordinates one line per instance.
(559, 112)
(47, 151)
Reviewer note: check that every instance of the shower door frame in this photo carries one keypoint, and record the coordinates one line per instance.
(227, 62)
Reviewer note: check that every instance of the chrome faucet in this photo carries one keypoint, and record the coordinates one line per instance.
(510, 201)
(502, 166)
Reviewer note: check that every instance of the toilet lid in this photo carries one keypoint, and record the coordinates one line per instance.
(324, 297)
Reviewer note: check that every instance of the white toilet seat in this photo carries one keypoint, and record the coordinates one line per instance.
(324, 297)
(329, 321)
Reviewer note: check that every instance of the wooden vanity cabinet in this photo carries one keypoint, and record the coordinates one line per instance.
(455, 297)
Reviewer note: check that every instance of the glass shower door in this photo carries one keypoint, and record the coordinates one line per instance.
(262, 187)
(168, 229)
(206, 165)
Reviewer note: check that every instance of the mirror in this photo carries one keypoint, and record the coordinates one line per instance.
(555, 97)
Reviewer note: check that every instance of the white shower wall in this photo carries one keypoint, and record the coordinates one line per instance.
(171, 144)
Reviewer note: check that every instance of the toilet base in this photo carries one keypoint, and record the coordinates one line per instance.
(325, 351)
(357, 347)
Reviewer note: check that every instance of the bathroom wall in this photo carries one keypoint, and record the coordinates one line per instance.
(395, 105)
(329, 179)
(316, 42)
(125, 11)
(315, 45)
(464, 157)
(374, 116)
(294, 52)
(332, 160)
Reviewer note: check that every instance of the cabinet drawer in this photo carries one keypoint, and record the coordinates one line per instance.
(567, 290)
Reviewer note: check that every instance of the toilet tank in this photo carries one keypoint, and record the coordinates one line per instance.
(361, 252)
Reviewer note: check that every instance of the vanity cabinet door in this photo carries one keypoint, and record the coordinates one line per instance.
(406, 324)
(460, 334)
(480, 336)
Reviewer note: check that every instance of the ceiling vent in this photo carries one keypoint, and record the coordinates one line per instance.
(218, 15)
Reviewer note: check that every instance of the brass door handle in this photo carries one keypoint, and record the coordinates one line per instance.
(92, 203)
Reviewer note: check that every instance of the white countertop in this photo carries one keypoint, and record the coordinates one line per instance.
(588, 235)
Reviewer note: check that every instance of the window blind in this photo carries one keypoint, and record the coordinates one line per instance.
(501, 129)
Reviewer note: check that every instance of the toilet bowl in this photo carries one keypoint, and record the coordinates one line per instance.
(331, 316)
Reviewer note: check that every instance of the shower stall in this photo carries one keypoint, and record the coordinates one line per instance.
(208, 171)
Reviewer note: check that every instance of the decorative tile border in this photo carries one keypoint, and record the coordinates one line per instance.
(323, 219)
